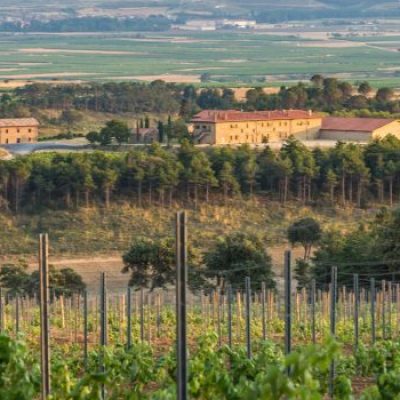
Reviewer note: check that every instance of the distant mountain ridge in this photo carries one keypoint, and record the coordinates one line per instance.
(262, 10)
(287, 10)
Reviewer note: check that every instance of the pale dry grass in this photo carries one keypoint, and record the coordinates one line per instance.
(42, 50)
(171, 78)
(331, 44)
(47, 75)
(4, 154)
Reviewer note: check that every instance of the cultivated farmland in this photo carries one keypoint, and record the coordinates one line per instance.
(230, 57)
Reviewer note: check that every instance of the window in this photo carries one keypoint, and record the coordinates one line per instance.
(17, 130)
(6, 130)
(30, 130)
(6, 141)
(18, 140)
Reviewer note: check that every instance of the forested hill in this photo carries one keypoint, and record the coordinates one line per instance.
(286, 10)
(181, 10)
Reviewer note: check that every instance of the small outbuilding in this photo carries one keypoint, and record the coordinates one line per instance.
(18, 130)
(358, 129)
(144, 135)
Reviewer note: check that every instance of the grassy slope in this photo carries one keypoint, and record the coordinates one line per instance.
(95, 231)
(89, 121)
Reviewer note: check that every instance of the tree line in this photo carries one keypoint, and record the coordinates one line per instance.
(328, 95)
(340, 10)
(19, 282)
(152, 23)
(346, 175)
(321, 94)
(371, 250)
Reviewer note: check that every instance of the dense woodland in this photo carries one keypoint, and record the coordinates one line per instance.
(91, 24)
(322, 94)
(349, 175)
(348, 10)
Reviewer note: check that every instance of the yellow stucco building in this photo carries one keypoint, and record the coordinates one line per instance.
(18, 130)
(237, 127)
(218, 127)
(358, 129)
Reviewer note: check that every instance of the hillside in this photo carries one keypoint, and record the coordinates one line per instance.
(98, 230)
(284, 10)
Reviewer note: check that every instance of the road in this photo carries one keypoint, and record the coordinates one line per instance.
(82, 145)
(28, 148)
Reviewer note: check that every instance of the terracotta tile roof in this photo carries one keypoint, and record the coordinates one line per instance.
(234, 115)
(18, 122)
(354, 124)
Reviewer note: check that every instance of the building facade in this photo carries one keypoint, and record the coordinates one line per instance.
(358, 129)
(237, 127)
(144, 135)
(218, 127)
(18, 130)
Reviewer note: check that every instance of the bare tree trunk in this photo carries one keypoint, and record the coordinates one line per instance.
(332, 193)
(87, 200)
(344, 189)
(285, 189)
(68, 199)
(195, 195)
(391, 191)
(225, 193)
(162, 197)
(359, 192)
(307, 252)
(299, 189)
(107, 196)
(150, 193)
(207, 193)
(280, 190)
(188, 192)
(139, 192)
(351, 189)
(16, 196)
(381, 191)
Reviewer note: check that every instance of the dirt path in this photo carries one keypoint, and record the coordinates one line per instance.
(90, 267)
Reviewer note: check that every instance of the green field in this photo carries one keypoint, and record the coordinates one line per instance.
(228, 57)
